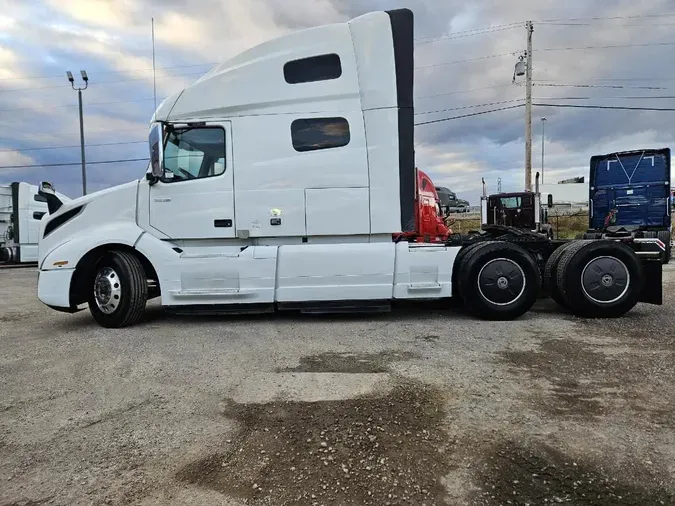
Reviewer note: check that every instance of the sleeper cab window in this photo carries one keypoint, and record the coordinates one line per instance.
(319, 133)
(316, 68)
(39, 198)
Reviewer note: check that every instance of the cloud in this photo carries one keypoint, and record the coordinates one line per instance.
(108, 13)
(13, 158)
(455, 75)
(8, 59)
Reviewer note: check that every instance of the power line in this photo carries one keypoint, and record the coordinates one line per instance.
(471, 106)
(628, 97)
(609, 46)
(611, 86)
(454, 35)
(622, 79)
(541, 23)
(36, 135)
(464, 91)
(73, 146)
(102, 72)
(460, 32)
(466, 115)
(616, 107)
(604, 18)
(93, 83)
(72, 163)
(498, 55)
(75, 105)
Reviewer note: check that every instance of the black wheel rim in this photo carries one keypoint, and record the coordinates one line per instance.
(501, 281)
(605, 279)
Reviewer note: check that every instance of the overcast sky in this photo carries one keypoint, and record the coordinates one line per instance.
(111, 39)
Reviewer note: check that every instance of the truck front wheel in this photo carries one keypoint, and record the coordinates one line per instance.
(499, 281)
(119, 290)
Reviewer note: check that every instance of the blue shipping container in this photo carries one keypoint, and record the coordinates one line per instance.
(633, 184)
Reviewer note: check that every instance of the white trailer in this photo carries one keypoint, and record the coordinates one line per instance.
(21, 209)
(281, 180)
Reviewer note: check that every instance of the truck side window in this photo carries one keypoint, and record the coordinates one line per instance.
(194, 153)
(319, 133)
(39, 198)
(315, 68)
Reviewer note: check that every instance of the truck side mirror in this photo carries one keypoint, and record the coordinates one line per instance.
(156, 140)
(550, 200)
(46, 190)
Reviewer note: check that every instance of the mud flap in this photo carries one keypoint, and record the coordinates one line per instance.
(652, 292)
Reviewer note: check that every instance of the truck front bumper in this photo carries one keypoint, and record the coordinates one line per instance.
(54, 288)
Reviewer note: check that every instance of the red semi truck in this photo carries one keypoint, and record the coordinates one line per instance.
(430, 226)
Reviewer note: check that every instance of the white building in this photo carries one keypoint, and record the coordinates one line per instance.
(570, 193)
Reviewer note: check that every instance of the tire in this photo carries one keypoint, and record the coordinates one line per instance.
(119, 290)
(499, 281)
(664, 236)
(457, 266)
(550, 275)
(599, 279)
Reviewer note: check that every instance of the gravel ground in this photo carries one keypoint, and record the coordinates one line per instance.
(418, 407)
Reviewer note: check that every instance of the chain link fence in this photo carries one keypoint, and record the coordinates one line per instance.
(567, 222)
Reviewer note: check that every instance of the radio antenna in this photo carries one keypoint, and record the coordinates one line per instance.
(154, 75)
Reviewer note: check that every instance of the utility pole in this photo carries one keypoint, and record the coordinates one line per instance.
(71, 79)
(543, 136)
(528, 109)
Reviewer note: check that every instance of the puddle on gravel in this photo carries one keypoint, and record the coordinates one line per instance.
(372, 450)
(30, 502)
(581, 378)
(349, 363)
(539, 475)
(15, 317)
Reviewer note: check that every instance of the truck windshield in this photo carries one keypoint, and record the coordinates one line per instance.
(510, 202)
(192, 153)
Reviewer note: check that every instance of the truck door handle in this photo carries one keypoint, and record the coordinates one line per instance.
(222, 223)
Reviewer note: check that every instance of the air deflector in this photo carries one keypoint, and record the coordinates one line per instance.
(402, 28)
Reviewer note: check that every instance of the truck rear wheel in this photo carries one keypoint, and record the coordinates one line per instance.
(550, 274)
(664, 236)
(498, 280)
(599, 279)
(119, 290)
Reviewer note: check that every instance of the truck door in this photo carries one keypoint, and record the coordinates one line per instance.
(195, 198)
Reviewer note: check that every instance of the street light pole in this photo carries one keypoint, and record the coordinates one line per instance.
(543, 136)
(84, 171)
(85, 78)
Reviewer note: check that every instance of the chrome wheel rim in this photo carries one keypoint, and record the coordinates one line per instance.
(605, 279)
(501, 281)
(107, 290)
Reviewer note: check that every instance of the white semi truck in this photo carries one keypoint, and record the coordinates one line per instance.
(285, 178)
(21, 209)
